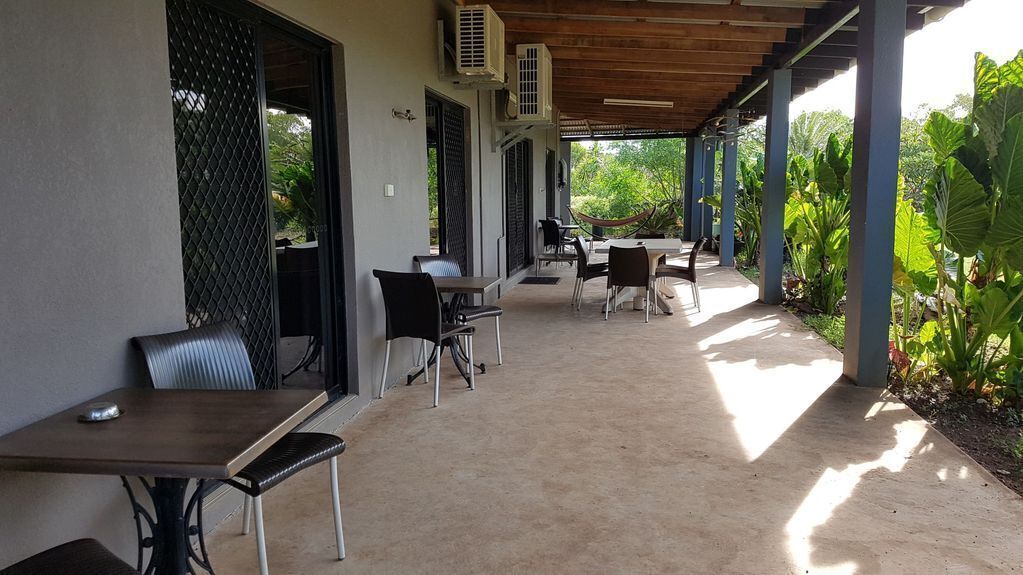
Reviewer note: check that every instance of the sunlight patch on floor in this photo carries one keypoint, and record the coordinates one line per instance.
(835, 487)
(764, 406)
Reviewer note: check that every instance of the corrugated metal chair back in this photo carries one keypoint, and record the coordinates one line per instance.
(208, 357)
(439, 266)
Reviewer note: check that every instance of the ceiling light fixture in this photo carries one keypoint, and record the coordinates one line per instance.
(640, 103)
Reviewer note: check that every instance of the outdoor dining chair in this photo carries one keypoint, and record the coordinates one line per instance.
(412, 308)
(446, 266)
(553, 243)
(627, 267)
(81, 557)
(214, 357)
(584, 271)
(687, 273)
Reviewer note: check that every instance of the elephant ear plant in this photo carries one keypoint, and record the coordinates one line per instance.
(817, 223)
(974, 209)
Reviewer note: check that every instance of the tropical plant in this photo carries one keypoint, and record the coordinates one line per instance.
(748, 203)
(810, 131)
(817, 224)
(294, 196)
(974, 202)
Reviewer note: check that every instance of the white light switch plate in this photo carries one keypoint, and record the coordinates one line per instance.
(389, 190)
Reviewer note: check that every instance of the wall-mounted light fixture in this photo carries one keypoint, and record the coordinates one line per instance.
(406, 115)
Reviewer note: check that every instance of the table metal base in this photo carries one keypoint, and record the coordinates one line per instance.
(458, 357)
(170, 529)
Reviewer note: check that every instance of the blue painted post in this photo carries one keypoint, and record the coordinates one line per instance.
(728, 183)
(691, 222)
(709, 165)
(772, 216)
(882, 30)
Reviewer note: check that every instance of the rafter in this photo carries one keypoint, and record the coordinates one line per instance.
(667, 67)
(607, 41)
(642, 29)
(735, 14)
(655, 56)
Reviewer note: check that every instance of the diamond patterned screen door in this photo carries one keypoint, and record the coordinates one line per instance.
(217, 93)
(456, 217)
(518, 210)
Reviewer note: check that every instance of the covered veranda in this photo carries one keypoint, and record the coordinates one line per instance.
(711, 442)
(725, 441)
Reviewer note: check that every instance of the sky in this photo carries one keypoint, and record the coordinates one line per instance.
(938, 59)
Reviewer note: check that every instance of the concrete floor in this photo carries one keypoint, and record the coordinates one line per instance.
(713, 442)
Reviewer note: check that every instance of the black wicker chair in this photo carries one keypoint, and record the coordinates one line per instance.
(627, 267)
(213, 357)
(446, 266)
(413, 309)
(584, 271)
(80, 557)
(687, 273)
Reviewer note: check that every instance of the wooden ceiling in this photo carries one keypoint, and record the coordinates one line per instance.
(704, 56)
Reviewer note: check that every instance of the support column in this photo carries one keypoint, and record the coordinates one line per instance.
(728, 183)
(772, 216)
(691, 222)
(882, 30)
(565, 153)
(709, 166)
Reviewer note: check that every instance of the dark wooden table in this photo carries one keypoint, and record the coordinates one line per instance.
(172, 435)
(465, 284)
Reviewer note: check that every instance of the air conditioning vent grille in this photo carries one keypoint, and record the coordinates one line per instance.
(479, 42)
(534, 82)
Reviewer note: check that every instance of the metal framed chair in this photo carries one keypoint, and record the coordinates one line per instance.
(553, 243)
(412, 308)
(81, 557)
(446, 266)
(628, 267)
(214, 357)
(584, 271)
(687, 273)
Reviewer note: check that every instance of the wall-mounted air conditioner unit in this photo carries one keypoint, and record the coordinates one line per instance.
(534, 82)
(479, 43)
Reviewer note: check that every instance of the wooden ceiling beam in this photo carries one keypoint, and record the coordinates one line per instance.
(581, 110)
(676, 44)
(565, 71)
(598, 105)
(744, 15)
(652, 86)
(642, 29)
(666, 124)
(656, 56)
(666, 67)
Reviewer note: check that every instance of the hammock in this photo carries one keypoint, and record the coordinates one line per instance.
(644, 215)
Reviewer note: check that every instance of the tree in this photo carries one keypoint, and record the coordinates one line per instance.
(810, 131)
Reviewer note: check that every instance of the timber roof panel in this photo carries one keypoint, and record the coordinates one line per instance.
(705, 56)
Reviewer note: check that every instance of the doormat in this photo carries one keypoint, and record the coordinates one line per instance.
(540, 280)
